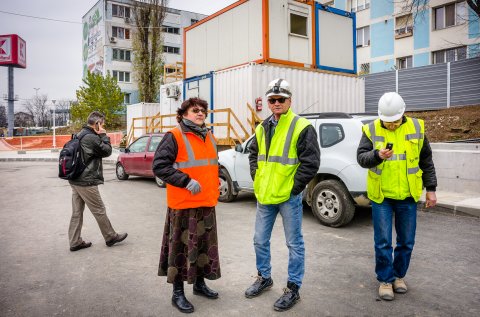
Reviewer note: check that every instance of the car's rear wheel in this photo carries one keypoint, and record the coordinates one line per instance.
(120, 171)
(226, 187)
(159, 182)
(332, 204)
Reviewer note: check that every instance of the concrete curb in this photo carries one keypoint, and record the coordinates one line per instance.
(43, 159)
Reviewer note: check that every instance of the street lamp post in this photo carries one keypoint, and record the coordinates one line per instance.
(54, 139)
(36, 92)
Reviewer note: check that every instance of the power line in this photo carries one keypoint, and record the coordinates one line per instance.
(40, 18)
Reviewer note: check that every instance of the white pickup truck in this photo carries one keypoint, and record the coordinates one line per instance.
(340, 183)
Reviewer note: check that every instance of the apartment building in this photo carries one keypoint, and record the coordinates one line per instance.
(108, 29)
(390, 36)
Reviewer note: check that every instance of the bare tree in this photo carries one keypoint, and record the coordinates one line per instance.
(38, 108)
(62, 114)
(3, 116)
(416, 6)
(148, 47)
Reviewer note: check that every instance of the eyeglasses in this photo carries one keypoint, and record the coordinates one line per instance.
(197, 110)
(273, 100)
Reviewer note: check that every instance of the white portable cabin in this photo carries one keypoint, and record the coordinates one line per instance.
(313, 91)
(276, 31)
(139, 110)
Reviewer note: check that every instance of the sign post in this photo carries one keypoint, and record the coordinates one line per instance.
(13, 53)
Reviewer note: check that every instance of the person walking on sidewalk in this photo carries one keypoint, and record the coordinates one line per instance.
(186, 159)
(95, 145)
(398, 156)
(284, 157)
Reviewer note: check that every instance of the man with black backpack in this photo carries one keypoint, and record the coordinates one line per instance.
(94, 145)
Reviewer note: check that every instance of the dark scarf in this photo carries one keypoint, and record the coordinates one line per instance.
(201, 131)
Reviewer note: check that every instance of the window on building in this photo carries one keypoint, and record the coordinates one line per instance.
(121, 55)
(126, 98)
(363, 36)
(364, 69)
(120, 11)
(449, 55)
(170, 29)
(357, 5)
(404, 62)
(170, 70)
(121, 77)
(450, 15)
(121, 33)
(193, 21)
(298, 24)
(403, 26)
(171, 50)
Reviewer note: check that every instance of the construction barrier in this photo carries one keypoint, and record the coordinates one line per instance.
(46, 141)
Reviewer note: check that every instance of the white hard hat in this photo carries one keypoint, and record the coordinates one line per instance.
(391, 107)
(278, 87)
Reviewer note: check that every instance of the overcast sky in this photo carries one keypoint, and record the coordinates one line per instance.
(54, 49)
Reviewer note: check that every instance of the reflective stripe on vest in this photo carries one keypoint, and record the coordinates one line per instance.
(284, 159)
(192, 162)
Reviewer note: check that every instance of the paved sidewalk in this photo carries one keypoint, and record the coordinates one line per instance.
(458, 204)
(45, 156)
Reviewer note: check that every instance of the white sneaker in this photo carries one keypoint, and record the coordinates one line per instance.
(385, 291)
(399, 286)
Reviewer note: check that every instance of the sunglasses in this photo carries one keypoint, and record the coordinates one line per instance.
(273, 100)
(197, 110)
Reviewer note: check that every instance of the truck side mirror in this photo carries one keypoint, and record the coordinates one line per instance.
(238, 148)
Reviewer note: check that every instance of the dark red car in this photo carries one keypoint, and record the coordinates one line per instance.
(137, 158)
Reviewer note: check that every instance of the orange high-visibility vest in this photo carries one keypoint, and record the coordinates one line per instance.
(199, 160)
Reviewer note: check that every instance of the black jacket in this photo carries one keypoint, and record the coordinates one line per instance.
(94, 148)
(165, 156)
(308, 153)
(367, 157)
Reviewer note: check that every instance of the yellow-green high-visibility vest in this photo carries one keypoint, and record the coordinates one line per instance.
(276, 169)
(400, 176)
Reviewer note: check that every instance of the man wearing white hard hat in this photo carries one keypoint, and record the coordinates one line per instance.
(284, 157)
(398, 156)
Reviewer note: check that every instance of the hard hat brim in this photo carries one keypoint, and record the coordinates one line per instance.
(390, 118)
(278, 94)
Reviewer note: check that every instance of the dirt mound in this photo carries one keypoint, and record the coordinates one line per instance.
(452, 124)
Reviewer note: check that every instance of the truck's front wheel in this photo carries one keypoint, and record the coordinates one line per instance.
(226, 187)
(332, 204)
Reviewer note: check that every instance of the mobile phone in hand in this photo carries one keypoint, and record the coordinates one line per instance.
(389, 146)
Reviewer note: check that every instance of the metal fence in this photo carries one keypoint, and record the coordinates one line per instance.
(428, 87)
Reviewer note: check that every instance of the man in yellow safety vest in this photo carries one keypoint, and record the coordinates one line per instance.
(284, 157)
(398, 156)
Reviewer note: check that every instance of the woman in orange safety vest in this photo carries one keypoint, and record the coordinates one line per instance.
(186, 159)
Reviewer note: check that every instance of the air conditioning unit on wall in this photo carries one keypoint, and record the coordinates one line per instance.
(172, 92)
(127, 20)
(113, 40)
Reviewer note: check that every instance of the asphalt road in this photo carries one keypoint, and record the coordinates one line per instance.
(39, 276)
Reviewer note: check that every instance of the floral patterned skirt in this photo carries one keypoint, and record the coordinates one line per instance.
(190, 245)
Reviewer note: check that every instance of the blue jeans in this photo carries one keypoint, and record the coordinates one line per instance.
(291, 211)
(405, 225)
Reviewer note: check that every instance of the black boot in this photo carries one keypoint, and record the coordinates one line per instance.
(259, 286)
(179, 300)
(289, 298)
(200, 288)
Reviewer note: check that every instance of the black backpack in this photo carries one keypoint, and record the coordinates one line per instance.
(70, 162)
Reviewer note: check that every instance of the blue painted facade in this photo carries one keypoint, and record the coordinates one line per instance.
(380, 8)
(473, 51)
(382, 66)
(421, 33)
(421, 59)
(473, 25)
(340, 4)
(381, 36)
